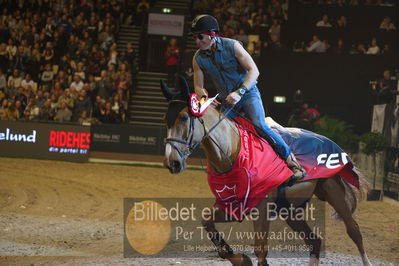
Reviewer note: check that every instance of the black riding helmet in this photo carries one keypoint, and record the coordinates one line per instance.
(204, 23)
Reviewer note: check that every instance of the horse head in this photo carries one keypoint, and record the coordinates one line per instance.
(184, 131)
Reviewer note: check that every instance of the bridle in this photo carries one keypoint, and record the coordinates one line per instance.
(189, 141)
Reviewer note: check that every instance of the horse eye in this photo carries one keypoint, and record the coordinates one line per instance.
(184, 117)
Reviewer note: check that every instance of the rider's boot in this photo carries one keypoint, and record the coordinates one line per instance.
(299, 172)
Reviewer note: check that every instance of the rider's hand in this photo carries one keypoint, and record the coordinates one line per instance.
(233, 98)
(215, 103)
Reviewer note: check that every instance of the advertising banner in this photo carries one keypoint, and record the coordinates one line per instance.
(132, 139)
(165, 24)
(45, 141)
(127, 139)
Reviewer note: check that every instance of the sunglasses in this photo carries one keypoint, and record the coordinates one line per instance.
(199, 36)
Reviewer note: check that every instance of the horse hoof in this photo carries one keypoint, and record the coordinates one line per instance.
(264, 263)
(246, 261)
(314, 261)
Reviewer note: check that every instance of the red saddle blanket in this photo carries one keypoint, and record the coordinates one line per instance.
(258, 169)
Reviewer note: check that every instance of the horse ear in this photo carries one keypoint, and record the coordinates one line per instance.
(167, 92)
(184, 88)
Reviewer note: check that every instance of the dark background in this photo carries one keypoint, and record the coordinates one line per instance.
(338, 84)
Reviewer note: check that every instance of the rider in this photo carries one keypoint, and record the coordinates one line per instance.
(234, 73)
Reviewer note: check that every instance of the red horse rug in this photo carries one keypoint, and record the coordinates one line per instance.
(258, 170)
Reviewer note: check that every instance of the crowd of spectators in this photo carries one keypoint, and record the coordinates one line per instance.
(328, 38)
(259, 26)
(59, 61)
(343, 3)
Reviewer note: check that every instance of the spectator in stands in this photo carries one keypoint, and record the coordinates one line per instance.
(106, 38)
(98, 108)
(82, 52)
(311, 112)
(130, 57)
(113, 55)
(63, 114)
(11, 112)
(47, 76)
(3, 57)
(385, 89)
(84, 119)
(82, 104)
(66, 98)
(104, 87)
(108, 116)
(20, 108)
(316, 45)
(387, 24)
(27, 81)
(26, 116)
(172, 55)
(242, 37)
(20, 60)
(118, 107)
(299, 118)
(11, 49)
(324, 22)
(341, 22)
(339, 48)
(21, 97)
(358, 49)
(123, 70)
(122, 86)
(13, 83)
(77, 84)
(275, 44)
(35, 64)
(275, 28)
(3, 107)
(65, 65)
(80, 71)
(48, 54)
(373, 48)
(90, 88)
(111, 71)
(227, 32)
(141, 11)
(87, 39)
(232, 23)
(386, 50)
(3, 81)
(47, 112)
(72, 45)
(40, 98)
(95, 60)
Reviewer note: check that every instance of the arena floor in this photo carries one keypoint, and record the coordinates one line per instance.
(62, 213)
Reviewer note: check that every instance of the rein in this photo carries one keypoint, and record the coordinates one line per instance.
(188, 142)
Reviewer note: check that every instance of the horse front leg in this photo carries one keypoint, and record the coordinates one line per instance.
(223, 249)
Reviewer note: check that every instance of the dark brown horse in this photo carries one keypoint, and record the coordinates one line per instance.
(221, 141)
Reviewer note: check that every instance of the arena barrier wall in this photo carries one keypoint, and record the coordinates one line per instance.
(45, 141)
(148, 140)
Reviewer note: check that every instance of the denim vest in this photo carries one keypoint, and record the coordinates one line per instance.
(222, 67)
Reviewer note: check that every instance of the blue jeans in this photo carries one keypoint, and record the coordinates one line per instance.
(252, 107)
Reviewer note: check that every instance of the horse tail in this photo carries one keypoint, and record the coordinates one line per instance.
(353, 195)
